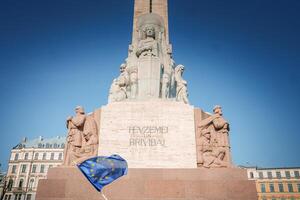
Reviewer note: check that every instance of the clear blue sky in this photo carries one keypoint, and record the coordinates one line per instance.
(243, 55)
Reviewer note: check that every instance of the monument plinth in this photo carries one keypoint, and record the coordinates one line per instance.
(173, 150)
(151, 184)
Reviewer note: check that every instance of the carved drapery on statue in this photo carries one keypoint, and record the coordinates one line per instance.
(118, 89)
(181, 85)
(213, 148)
(82, 139)
(150, 69)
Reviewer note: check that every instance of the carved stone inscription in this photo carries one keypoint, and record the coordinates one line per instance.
(148, 136)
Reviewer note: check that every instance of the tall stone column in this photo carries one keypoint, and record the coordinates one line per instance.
(159, 7)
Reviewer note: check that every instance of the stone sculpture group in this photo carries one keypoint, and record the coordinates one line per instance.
(212, 142)
(149, 71)
(82, 138)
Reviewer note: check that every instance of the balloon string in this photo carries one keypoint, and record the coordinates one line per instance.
(104, 197)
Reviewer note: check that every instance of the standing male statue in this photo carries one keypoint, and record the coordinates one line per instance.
(221, 126)
(75, 127)
(82, 138)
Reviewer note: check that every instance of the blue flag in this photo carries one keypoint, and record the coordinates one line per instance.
(101, 170)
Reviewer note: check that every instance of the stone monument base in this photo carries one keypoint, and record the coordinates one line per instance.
(68, 183)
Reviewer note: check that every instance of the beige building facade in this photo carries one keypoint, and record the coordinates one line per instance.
(276, 183)
(29, 162)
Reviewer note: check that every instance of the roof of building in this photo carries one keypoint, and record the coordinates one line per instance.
(268, 168)
(40, 142)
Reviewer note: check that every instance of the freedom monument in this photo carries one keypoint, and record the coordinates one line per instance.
(173, 149)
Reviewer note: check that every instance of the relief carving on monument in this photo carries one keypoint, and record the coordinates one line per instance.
(213, 149)
(82, 139)
(149, 45)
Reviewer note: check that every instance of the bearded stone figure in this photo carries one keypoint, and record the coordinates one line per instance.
(82, 138)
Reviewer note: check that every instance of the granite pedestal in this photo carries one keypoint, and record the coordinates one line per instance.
(68, 183)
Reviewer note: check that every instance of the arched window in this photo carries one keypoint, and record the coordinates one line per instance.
(62, 146)
(10, 184)
(21, 183)
(16, 156)
(47, 145)
(55, 145)
(26, 156)
(36, 156)
(31, 182)
(60, 156)
(44, 156)
(52, 156)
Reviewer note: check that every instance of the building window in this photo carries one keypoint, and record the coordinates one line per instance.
(21, 183)
(278, 175)
(280, 187)
(33, 170)
(55, 145)
(28, 197)
(16, 156)
(298, 186)
(260, 174)
(44, 156)
(42, 169)
(31, 183)
(36, 156)
(10, 184)
(62, 146)
(47, 145)
(52, 156)
(287, 174)
(23, 170)
(18, 196)
(290, 187)
(272, 187)
(26, 156)
(13, 170)
(296, 174)
(60, 156)
(263, 188)
(269, 175)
